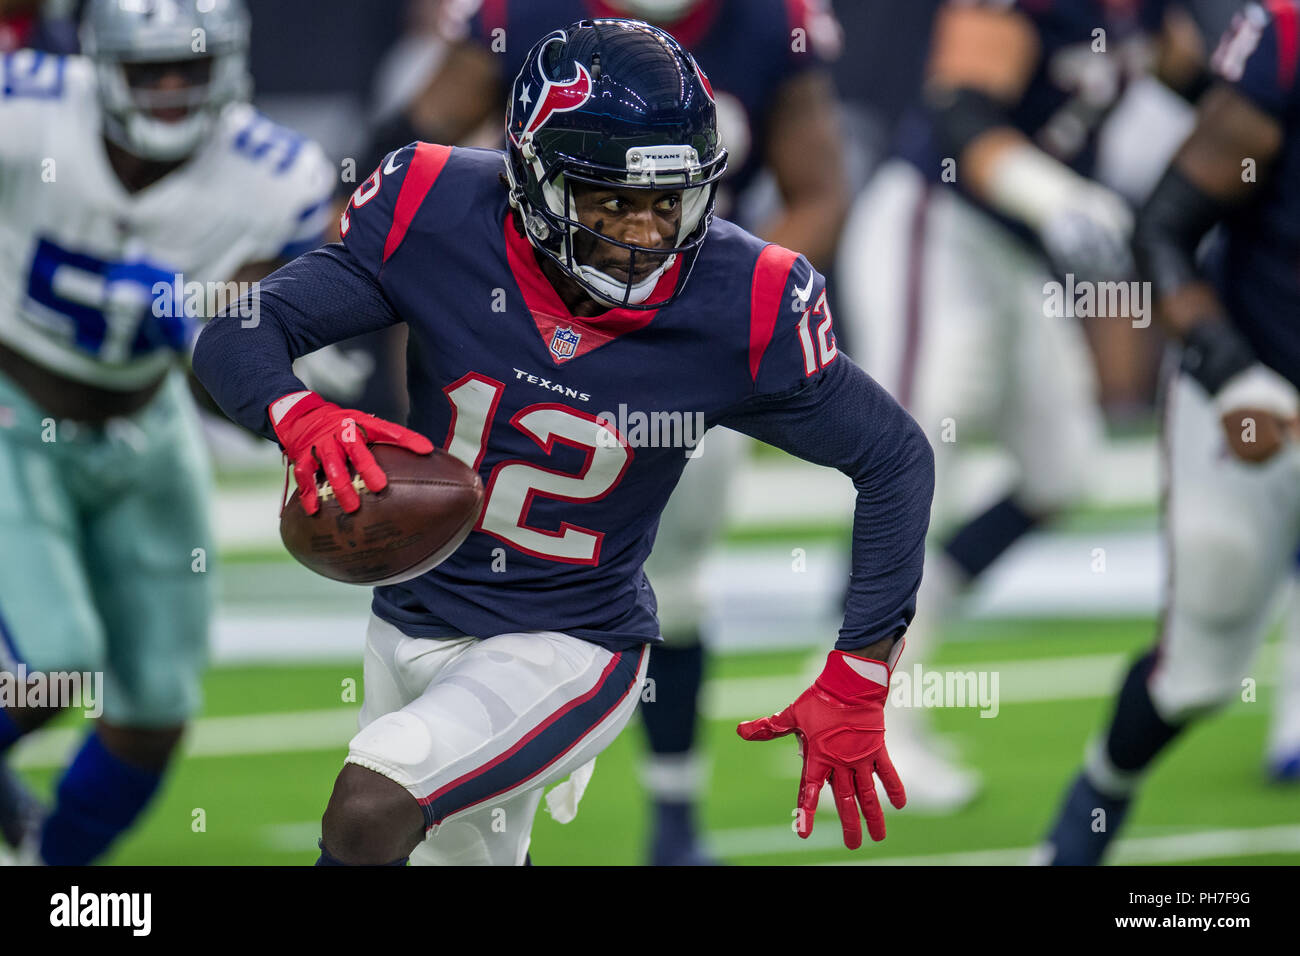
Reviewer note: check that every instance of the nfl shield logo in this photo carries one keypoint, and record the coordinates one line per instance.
(564, 343)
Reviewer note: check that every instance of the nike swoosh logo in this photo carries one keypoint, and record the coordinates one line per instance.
(805, 293)
(389, 168)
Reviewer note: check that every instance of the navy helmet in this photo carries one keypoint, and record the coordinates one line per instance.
(612, 102)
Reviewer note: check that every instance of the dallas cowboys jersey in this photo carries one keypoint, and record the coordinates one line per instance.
(97, 284)
(1255, 260)
(748, 48)
(1089, 50)
(579, 427)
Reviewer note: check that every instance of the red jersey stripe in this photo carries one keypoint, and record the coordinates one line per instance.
(426, 165)
(1288, 40)
(771, 273)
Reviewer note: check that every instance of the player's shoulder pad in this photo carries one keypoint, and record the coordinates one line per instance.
(38, 75)
(1260, 53)
(791, 338)
(34, 85)
(283, 179)
(380, 212)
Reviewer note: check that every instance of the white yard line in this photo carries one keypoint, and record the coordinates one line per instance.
(289, 732)
(1192, 845)
(765, 493)
(764, 841)
(1083, 677)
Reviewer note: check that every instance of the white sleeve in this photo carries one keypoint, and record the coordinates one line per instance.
(302, 200)
(30, 81)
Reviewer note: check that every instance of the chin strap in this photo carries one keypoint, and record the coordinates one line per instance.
(615, 291)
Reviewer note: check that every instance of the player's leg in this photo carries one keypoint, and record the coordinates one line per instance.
(924, 294)
(48, 623)
(1283, 758)
(144, 496)
(674, 772)
(1230, 532)
(498, 720)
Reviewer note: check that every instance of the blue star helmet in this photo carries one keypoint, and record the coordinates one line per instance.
(612, 102)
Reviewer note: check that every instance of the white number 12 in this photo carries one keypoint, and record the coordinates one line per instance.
(513, 484)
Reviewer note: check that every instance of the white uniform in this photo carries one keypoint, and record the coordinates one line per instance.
(476, 730)
(108, 516)
(945, 309)
(1231, 530)
(81, 258)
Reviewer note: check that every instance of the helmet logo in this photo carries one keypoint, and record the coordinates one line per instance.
(552, 98)
(704, 80)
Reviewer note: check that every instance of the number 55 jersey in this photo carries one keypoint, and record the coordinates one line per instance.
(579, 427)
(89, 272)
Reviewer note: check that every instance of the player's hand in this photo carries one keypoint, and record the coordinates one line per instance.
(840, 723)
(318, 435)
(1089, 234)
(1260, 413)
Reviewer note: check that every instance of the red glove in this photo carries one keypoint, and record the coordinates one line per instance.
(317, 434)
(840, 723)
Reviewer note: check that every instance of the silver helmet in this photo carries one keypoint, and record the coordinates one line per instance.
(124, 37)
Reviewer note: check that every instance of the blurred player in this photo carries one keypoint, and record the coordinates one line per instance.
(1231, 502)
(124, 177)
(486, 681)
(767, 60)
(946, 256)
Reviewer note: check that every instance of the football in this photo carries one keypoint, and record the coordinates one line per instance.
(423, 515)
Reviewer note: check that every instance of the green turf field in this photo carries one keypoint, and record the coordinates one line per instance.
(262, 760)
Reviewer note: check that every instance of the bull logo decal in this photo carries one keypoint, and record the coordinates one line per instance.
(553, 97)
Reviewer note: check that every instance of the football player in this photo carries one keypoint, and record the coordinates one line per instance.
(1231, 503)
(580, 270)
(946, 257)
(126, 177)
(767, 60)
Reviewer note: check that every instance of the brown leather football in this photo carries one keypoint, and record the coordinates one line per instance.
(417, 521)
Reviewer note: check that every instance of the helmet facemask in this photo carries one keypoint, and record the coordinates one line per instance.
(133, 48)
(553, 224)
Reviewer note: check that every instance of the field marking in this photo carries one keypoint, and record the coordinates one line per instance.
(1193, 845)
(1025, 681)
(760, 841)
(1082, 677)
(288, 732)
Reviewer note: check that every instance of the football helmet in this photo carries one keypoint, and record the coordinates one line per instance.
(131, 40)
(621, 103)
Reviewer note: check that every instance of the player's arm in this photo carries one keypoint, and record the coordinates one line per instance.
(244, 358)
(815, 403)
(982, 58)
(803, 146)
(1180, 56)
(1237, 122)
(847, 421)
(805, 152)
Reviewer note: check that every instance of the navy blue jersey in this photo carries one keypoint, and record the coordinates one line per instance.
(1089, 50)
(748, 48)
(579, 427)
(1256, 259)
